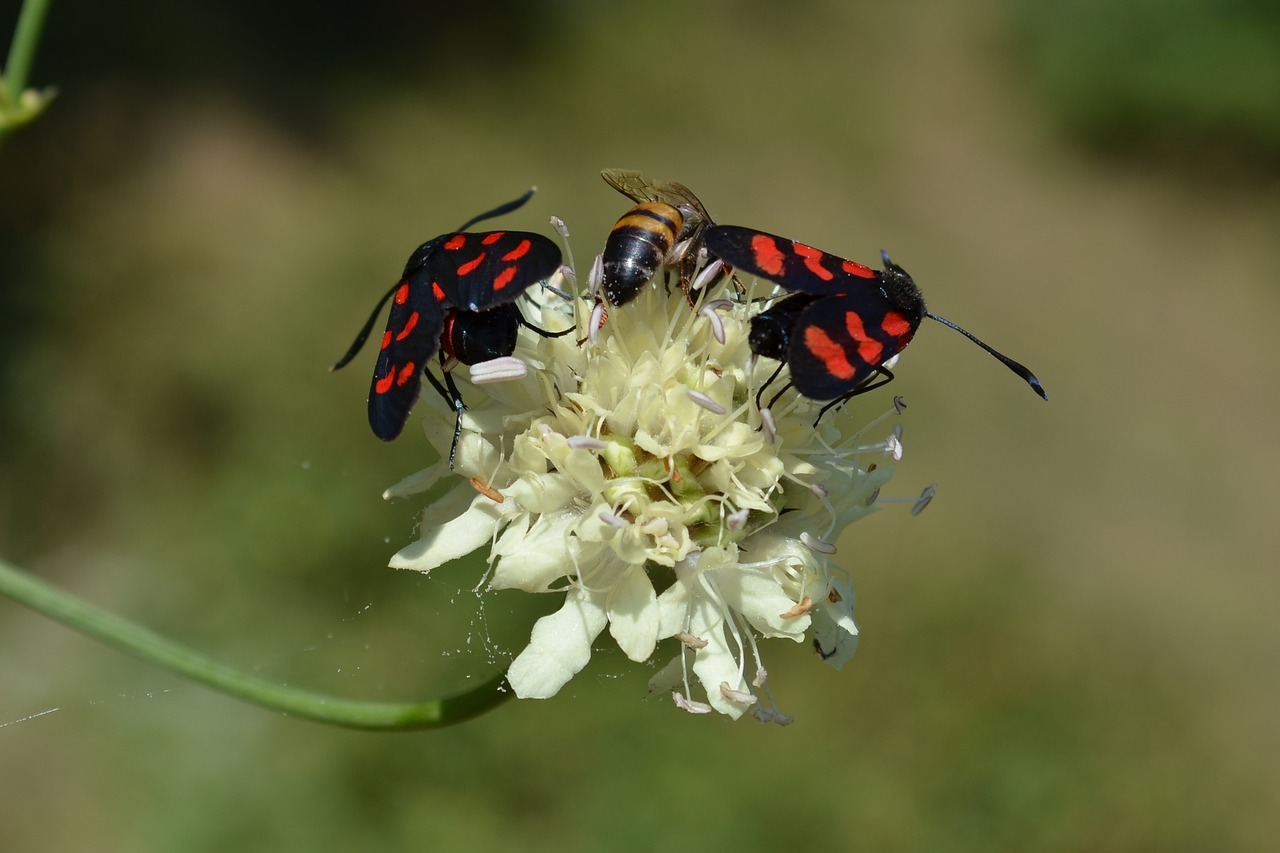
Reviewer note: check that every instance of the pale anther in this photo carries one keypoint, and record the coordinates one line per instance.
(736, 695)
(585, 442)
(613, 520)
(816, 545)
(925, 497)
(498, 370)
(766, 424)
(705, 402)
(707, 275)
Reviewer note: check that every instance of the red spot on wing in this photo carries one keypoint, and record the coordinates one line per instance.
(829, 352)
(504, 278)
(853, 268)
(493, 238)
(895, 325)
(470, 265)
(402, 293)
(406, 373)
(869, 350)
(767, 254)
(386, 339)
(409, 326)
(457, 241)
(384, 384)
(438, 292)
(813, 260)
(519, 251)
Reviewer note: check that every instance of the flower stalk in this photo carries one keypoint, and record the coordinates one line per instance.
(18, 105)
(150, 647)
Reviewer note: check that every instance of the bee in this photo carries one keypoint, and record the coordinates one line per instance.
(664, 229)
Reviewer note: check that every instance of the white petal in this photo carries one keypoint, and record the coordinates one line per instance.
(533, 558)
(543, 493)
(835, 636)
(716, 665)
(673, 609)
(455, 537)
(633, 614)
(416, 482)
(762, 600)
(559, 647)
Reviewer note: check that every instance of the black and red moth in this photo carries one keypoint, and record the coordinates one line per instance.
(456, 298)
(843, 321)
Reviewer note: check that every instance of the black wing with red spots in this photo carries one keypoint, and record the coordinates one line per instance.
(841, 341)
(459, 273)
(859, 319)
(854, 318)
(411, 339)
(483, 270)
(792, 265)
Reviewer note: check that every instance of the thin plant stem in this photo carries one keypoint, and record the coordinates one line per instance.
(148, 646)
(22, 50)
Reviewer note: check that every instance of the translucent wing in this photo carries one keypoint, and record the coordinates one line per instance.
(640, 188)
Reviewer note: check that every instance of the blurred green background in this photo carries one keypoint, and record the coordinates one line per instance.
(1073, 649)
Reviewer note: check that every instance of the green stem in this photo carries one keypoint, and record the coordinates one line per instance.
(144, 644)
(22, 51)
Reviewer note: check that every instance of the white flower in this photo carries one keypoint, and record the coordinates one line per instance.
(631, 475)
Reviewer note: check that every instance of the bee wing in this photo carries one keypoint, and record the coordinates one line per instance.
(640, 188)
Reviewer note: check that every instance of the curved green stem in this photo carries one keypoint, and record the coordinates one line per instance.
(22, 53)
(148, 646)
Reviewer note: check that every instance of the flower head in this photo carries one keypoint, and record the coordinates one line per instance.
(633, 474)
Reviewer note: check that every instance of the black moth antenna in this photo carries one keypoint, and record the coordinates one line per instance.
(1020, 369)
(514, 204)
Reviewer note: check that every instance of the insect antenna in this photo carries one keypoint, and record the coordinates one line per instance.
(1027, 375)
(514, 204)
(365, 330)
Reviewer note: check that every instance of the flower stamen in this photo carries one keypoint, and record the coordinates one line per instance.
(479, 484)
(816, 545)
(585, 442)
(503, 369)
(706, 402)
(801, 608)
(926, 497)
